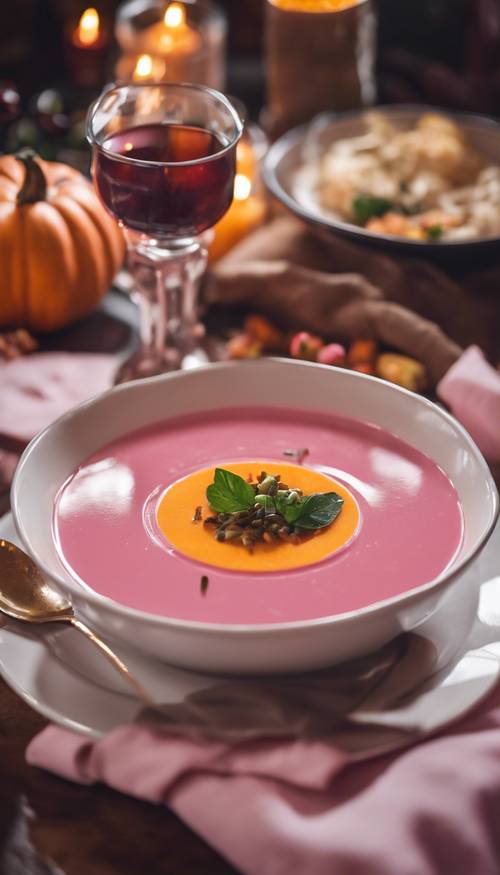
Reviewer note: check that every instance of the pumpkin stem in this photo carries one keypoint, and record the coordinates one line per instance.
(34, 187)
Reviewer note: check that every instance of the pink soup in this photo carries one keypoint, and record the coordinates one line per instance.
(410, 519)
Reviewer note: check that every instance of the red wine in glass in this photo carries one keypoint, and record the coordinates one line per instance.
(164, 166)
(157, 190)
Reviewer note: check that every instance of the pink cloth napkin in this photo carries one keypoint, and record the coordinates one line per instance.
(273, 808)
(471, 389)
(36, 389)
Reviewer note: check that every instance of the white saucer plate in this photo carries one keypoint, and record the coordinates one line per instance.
(58, 673)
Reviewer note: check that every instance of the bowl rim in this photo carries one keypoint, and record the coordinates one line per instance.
(249, 629)
(281, 148)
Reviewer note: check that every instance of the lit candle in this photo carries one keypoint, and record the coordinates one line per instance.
(172, 36)
(143, 68)
(332, 64)
(188, 37)
(315, 5)
(248, 209)
(242, 187)
(86, 50)
(140, 68)
(87, 32)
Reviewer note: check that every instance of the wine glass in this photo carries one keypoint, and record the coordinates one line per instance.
(163, 163)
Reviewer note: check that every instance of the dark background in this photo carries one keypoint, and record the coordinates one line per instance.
(446, 52)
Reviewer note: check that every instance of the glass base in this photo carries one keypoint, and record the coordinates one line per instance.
(138, 366)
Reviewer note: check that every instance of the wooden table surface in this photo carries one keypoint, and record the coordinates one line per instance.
(49, 826)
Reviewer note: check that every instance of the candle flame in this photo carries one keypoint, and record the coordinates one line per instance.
(314, 5)
(88, 26)
(242, 187)
(175, 15)
(143, 67)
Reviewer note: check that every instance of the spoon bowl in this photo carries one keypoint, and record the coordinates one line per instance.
(27, 595)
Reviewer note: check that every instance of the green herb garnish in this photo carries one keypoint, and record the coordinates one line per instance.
(319, 510)
(434, 232)
(229, 493)
(266, 510)
(366, 206)
(289, 510)
(266, 502)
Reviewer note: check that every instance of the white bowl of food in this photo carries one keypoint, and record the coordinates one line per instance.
(111, 502)
(408, 178)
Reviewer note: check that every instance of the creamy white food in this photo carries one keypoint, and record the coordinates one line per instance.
(426, 183)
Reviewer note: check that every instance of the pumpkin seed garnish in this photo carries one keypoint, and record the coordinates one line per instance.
(298, 455)
(266, 510)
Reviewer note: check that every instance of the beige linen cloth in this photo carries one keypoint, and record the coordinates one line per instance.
(305, 279)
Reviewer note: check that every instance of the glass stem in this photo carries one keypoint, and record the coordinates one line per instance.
(151, 302)
(166, 277)
(181, 280)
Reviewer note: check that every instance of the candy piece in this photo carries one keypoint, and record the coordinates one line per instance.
(402, 370)
(243, 346)
(16, 343)
(305, 346)
(364, 368)
(332, 354)
(362, 351)
(264, 331)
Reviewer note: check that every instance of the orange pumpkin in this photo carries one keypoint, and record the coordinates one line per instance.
(59, 249)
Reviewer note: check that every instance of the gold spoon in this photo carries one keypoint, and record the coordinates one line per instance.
(25, 594)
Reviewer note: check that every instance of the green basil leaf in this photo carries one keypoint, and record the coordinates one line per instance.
(435, 232)
(291, 512)
(229, 493)
(365, 206)
(266, 502)
(319, 510)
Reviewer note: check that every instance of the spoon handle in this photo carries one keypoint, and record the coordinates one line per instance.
(113, 659)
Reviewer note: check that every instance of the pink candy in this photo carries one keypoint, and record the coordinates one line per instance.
(310, 347)
(305, 346)
(332, 354)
